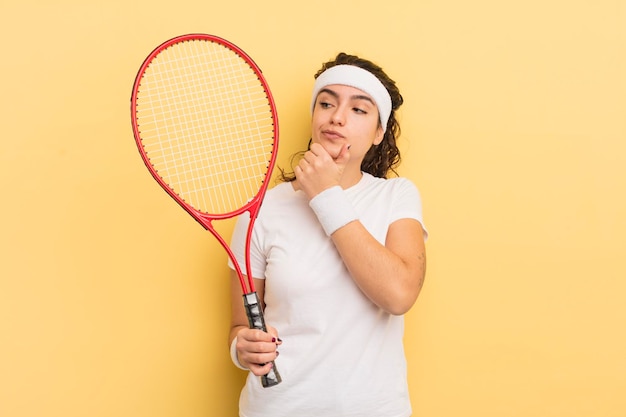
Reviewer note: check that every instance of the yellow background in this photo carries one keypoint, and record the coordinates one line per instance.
(113, 302)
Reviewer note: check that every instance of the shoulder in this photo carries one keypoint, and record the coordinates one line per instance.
(280, 198)
(399, 196)
(394, 186)
(280, 191)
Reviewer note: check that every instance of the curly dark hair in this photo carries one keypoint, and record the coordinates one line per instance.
(385, 157)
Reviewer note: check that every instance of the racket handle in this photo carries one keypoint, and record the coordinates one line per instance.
(257, 321)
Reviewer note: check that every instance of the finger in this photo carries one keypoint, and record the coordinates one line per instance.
(318, 150)
(260, 370)
(260, 358)
(265, 337)
(303, 167)
(344, 155)
(254, 335)
(258, 353)
(272, 330)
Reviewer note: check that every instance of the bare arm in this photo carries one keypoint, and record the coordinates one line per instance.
(390, 275)
(254, 347)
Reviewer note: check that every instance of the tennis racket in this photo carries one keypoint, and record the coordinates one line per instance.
(206, 126)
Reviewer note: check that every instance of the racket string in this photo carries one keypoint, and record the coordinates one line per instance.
(207, 125)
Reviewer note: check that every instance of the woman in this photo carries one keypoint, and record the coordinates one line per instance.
(338, 257)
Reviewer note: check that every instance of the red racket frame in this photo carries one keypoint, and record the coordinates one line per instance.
(205, 219)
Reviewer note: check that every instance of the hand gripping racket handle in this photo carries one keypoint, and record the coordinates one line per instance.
(256, 320)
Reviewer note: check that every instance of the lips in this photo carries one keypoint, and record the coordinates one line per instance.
(332, 134)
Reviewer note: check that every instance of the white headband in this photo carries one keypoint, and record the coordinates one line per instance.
(356, 77)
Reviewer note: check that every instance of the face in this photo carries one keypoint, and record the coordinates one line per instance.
(346, 115)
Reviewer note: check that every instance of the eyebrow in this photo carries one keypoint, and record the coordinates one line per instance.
(353, 97)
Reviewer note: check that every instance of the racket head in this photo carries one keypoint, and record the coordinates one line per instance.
(205, 124)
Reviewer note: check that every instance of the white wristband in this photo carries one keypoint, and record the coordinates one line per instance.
(233, 355)
(333, 209)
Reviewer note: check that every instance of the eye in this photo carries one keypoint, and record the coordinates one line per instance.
(324, 104)
(359, 110)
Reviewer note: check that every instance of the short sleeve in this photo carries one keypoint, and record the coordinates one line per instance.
(407, 203)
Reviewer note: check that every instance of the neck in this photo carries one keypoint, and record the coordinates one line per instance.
(351, 178)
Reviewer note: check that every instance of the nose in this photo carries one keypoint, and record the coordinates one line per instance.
(338, 117)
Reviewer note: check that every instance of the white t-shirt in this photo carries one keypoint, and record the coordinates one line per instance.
(341, 355)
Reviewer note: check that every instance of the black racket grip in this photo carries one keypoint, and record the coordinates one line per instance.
(257, 321)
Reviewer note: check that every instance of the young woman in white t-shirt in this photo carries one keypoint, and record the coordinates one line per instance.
(338, 257)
